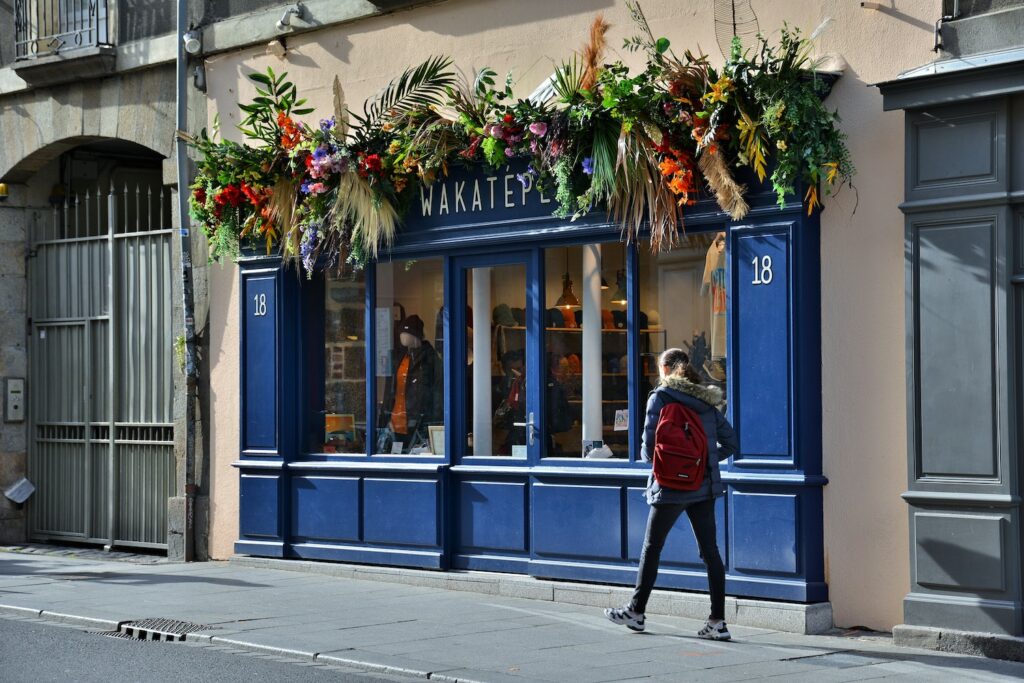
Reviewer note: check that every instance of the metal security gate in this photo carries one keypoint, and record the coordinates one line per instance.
(101, 446)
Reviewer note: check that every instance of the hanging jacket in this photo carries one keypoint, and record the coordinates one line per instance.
(722, 441)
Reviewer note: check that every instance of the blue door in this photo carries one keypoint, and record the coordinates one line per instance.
(494, 407)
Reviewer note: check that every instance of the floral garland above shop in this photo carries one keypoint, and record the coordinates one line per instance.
(642, 147)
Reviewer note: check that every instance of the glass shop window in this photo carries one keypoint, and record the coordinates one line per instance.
(586, 376)
(344, 425)
(683, 305)
(496, 363)
(408, 369)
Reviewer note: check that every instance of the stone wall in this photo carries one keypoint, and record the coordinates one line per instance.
(13, 358)
(39, 125)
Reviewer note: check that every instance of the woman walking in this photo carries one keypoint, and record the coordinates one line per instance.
(680, 384)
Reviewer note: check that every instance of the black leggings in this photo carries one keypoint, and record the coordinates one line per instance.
(659, 523)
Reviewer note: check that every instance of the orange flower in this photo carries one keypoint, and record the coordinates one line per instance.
(290, 135)
(669, 167)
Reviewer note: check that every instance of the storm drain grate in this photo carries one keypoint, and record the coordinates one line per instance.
(169, 630)
(115, 634)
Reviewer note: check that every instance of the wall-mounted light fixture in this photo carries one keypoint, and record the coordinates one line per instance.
(285, 22)
(193, 40)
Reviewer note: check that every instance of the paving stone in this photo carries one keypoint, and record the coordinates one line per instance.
(393, 629)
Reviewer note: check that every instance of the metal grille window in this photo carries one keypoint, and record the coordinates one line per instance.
(50, 27)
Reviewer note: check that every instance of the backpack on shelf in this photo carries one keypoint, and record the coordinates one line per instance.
(680, 448)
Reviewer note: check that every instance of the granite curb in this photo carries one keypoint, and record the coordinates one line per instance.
(234, 642)
(801, 619)
(990, 645)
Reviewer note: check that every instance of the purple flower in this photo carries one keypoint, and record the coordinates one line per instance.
(539, 128)
(326, 124)
(307, 247)
(522, 178)
(588, 166)
(495, 131)
(319, 153)
(509, 152)
(305, 187)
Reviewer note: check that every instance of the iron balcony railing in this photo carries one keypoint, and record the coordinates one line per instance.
(49, 27)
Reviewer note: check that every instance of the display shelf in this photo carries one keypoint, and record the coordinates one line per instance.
(645, 330)
(616, 400)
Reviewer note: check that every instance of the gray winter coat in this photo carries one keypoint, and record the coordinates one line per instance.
(722, 441)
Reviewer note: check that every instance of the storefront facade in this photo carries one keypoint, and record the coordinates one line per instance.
(480, 469)
(813, 358)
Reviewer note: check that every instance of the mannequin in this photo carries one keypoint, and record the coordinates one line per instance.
(714, 285)
(413, 396)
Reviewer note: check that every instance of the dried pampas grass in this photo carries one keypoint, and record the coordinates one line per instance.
(284, 198)
(593, 52)
(373, 220)
(728, 192)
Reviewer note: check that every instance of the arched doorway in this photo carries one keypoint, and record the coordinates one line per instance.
(100, 306)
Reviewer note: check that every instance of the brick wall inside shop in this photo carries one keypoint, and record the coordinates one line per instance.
(345, 387)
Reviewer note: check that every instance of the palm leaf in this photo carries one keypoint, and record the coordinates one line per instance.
(568, 80)
(417, 87)
(604, 153)
(640, 194)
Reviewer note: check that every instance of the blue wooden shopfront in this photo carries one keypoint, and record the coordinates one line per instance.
(573, 518)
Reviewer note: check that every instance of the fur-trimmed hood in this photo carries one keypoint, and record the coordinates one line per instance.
(709, 394)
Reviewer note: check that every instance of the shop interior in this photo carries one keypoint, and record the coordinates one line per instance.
(682, 303)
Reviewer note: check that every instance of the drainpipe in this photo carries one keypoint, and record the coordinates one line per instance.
(188, 307)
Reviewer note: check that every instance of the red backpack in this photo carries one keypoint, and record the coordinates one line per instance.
(680, 448)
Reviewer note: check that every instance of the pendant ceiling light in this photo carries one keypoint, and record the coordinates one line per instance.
(620, 289)
(568, 300)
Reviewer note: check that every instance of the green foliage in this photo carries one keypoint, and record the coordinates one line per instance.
(644, 145)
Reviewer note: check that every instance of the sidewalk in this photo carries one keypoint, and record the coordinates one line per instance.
(441, 634)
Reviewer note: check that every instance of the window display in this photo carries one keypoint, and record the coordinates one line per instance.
(586, 397)
(408, 368)
(496, 372)
(344, 423)
(683, 292)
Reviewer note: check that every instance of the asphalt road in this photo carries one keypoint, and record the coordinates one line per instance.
(32, 651)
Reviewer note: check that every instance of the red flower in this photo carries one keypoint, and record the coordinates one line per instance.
(370, 163)
(255, 198)
(231, 194)
(199, 194)
(508, 118)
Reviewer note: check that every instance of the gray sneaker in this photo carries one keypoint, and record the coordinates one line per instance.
(624, 616)
(717, 632)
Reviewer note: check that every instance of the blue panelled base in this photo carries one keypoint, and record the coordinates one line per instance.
(573, 520)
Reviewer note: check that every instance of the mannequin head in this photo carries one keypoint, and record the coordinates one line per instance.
(410, 341)
(411, 332)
